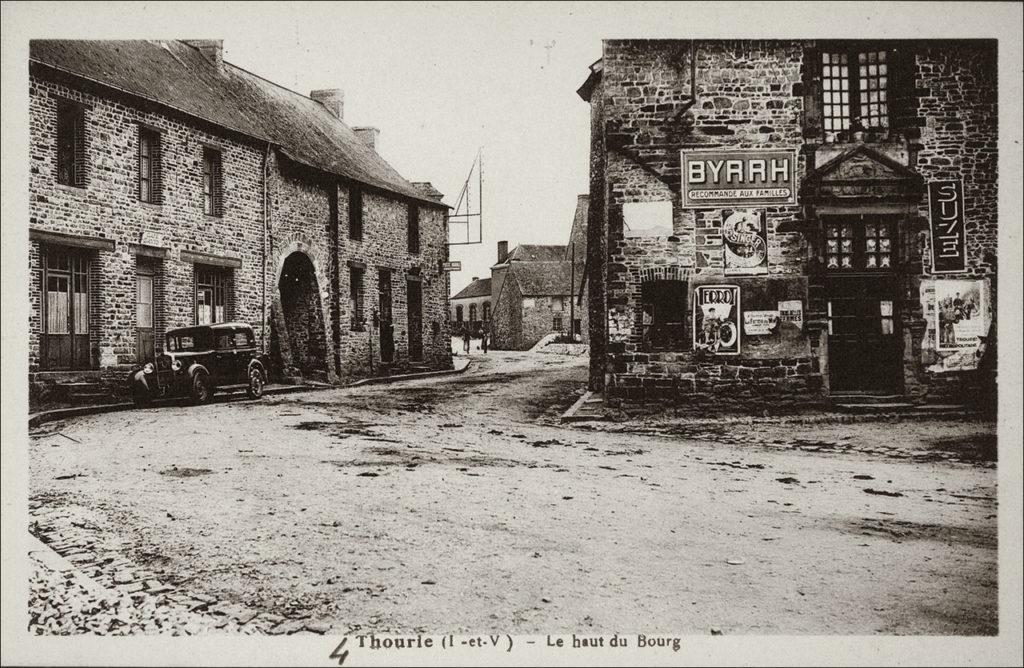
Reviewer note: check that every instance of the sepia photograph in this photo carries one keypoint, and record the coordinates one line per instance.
(456, 333)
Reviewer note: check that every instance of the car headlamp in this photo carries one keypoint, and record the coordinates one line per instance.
(176, 365)
(148, 368)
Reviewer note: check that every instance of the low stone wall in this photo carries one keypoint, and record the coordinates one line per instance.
(572, 349)
(769, 386)
(47, 389)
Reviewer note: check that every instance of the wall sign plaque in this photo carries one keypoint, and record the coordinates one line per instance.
(949, 238)
(714, 178)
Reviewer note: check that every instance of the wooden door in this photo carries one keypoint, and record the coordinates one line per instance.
(415, 320)
(65, 332)
(865, 346)
(386, 325)
(144, 283)
(864, 349)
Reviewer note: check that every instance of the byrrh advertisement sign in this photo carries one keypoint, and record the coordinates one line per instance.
(713, 178)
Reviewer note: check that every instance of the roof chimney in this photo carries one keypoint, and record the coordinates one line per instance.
(428, 190)
(212, 49)
(370, 136)
(475, 279)
(502, 251)
(333, 100)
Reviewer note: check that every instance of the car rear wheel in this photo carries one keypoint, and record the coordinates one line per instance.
(201, 388)
(255, 389)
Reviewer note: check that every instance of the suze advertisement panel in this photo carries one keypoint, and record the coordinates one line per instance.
(949, 237)
(738, 178)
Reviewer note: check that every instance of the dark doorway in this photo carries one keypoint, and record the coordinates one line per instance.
(65, 331)
(864, 349)
(303, 317)
(664, 315)
(865, 343)
(414, 292)
(386, 324)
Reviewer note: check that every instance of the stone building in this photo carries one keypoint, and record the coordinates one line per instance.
(780, 223)
(471, 307)
(169, 188)
(540, 289)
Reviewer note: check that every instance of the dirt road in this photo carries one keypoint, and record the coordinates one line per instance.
(453, 505)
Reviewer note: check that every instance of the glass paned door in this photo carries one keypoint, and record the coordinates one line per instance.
(65, 336)
(144, 313)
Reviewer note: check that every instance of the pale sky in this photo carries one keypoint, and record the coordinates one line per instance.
(441, 80)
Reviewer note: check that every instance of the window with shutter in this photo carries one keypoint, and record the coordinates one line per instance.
(71, 154)
(213, 189)
(355, 287)
(150, 187)
(355, 214)
(414, 228)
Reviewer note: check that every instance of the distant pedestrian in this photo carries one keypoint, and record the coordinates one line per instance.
(485, 340)
(466, 340)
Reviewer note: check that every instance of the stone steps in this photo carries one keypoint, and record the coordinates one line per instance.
(84, 392)
(875, 407)
(865, 398)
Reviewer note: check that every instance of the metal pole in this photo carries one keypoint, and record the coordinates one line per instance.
(480, 191)
(370, 330)
(572, 294)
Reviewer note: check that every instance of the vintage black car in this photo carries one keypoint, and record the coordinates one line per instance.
(197, 361)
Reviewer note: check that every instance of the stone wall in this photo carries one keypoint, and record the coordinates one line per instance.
(654, 98)
(957, 113)
(108, 207)
(537, 320)
(302, 221)
(507, 325)
(307, 214)
(747, 96)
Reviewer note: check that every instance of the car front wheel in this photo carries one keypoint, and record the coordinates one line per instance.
(201, 388)
(255, 389)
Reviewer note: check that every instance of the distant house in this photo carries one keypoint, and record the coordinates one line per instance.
(471, 306)
(536, 289)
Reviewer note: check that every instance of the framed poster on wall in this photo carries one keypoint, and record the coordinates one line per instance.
(961, 314)
(716, 319)
(745, 237)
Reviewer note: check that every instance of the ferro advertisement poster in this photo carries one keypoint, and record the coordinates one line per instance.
(716, 310)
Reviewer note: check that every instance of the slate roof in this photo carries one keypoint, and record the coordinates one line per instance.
(537, 253)
(481, 287)
(539, 279)
(177, 75)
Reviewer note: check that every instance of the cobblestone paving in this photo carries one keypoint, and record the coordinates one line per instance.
(126, 598)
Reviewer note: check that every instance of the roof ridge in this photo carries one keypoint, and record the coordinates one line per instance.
(243, 102)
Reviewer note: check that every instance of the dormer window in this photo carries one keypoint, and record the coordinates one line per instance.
(854, 87)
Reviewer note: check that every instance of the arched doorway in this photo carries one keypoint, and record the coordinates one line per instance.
(306, 349)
